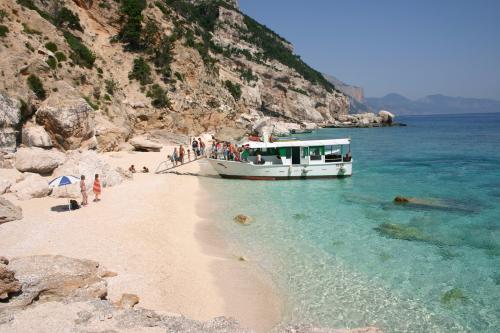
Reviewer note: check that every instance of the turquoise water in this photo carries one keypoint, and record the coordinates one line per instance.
(344, 255)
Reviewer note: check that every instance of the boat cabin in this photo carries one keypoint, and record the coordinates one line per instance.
(303, 152)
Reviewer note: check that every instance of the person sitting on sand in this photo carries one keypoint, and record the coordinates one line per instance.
(145, 170)
(83, 189)
(97, 188)
(132, 169)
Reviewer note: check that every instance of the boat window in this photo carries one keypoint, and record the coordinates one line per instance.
(264, 152)
(305, 151)
(333, 153)
(285, 152)
(316, 152)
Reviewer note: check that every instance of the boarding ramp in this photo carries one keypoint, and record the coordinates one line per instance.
(167, 167)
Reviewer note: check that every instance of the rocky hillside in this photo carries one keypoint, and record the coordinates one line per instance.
(356, 94)
(93, 73)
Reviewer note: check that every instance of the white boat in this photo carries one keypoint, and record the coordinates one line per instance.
(292, 159)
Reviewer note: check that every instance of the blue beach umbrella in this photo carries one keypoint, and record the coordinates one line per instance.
(63, 181)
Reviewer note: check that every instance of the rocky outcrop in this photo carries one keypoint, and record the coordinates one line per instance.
(142, 144)
(32, 185)
(128, 301)
(38, 160)
(8, 283)
(35, 136)
(47, 278)
(67, 117)
(9, 211)
(387, 117)
(87, 163)
(10, 117)
(5, 185)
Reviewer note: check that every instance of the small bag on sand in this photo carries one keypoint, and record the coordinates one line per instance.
(73, 204)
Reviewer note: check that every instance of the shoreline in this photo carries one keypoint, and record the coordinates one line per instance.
(170, 255)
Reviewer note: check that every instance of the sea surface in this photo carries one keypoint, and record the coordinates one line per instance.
(343, 255)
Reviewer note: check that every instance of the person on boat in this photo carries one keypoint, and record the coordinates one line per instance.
(96, 188)
(181, 154)
(132, 169)
(244, 155)
(175, 156)
(83, 189)
(226, 152)
(348, 156)
(260, 160)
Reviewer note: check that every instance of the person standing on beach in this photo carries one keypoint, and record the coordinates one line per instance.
(97, 188)
(202, 147)
(189, 155)
(181, 154)
(194, 145)
(83, 189)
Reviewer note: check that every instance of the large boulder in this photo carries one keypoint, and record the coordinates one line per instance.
(142, 144)
(10, 117)
(87, 163)
(9, 211)
(5, 185)
(38, 160)
(8, 283)
(46, 278)
(32, 185)
(387, 117)
(67, 117)
(109, 136)
(35, 136)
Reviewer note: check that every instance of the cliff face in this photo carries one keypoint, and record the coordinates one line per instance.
(184, 66)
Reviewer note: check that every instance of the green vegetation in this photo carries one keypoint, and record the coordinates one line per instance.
(247, 75)
(51, 46)
(29, 47)
(452, 296)
(110, 86)
(234, 89)
(63, 17)
(81, 55)
(52, 62)
(93, 105)
(130, 33)
(29, 31)
(104, 4)
(31, 5)
(60, 56)
(300, 91)
(162, 58)
(274, 48)
(141, 71)
(3, 30)
(158, 96)
(179, 76)
(36, 86)
(3, 15)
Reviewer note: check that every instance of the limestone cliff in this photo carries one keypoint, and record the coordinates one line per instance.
(139, 65)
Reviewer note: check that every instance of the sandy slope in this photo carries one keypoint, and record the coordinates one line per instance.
(154, 233)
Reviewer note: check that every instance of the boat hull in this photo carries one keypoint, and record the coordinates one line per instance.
(239, 170)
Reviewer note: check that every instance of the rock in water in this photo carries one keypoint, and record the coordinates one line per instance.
(57, 278)
(9, 211)
(128, 301)
(143, 144)
(387, 117)
(400, 200)
(8, 283)
(31, 186)
(38, 160)
(243, 219)
(67, 117)
(36, 136)
(10, 116)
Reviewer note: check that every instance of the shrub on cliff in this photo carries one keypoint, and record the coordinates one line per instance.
(158, 96)
(130, 33)
(65, 17)
(141, 71)
(81, 55)
(36, 86)
(234, 89)
(51, 46)
(3, 30)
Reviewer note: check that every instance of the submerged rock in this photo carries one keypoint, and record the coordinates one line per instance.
(9, 211)
(401, 231)
(452, 296)
(243, 219)
(400, 199)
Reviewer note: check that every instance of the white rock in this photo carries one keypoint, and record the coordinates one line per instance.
(10, 116)
(36, 136)
(387, 117)
(31, 186)
(38, 160)
(142, 144)
(5, 185)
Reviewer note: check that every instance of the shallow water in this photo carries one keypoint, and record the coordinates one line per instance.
(344, 255)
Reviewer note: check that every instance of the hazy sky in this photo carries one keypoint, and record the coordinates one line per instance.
(415, 48)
